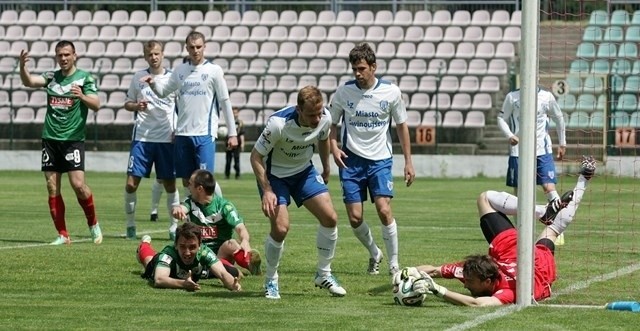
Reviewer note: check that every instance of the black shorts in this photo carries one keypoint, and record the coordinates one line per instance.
(62, 156)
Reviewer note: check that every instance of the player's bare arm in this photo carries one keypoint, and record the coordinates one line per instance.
(162, 279)
(338, 154)
(28, 79)
(405, 142)
(179, 212)
(268, 197)
(467, 300)
(243, 236)
(323, 150)
(135, 106)
(91, 100)
(433, 271)
(228, 281)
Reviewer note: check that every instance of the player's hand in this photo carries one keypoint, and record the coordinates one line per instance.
(325, 175)
(24, 58)
(407, 272)
(178, 213)
(189, 284)
(236, 287)
(142, 105)
(232, 142)
(427, 284)
(338, 158)
(147, 79)
(246, 247)
(269, 203)
(561, 151)
(514, 140)
(409, 174)
(76, 90)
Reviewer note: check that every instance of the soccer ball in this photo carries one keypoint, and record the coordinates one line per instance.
(404, 295)
(223, 131)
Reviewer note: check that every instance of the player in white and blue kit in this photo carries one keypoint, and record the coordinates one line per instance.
(281, 161)
(152, 140)
(202, 94)
(509, 123)
(366, 107)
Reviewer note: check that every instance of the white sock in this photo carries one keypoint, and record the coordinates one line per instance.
(130, 200)
(390, 237)
(218, 190)
(326, 243)
(503, 202)
(173, 199)
(565, 216)
(363, 233)
(273, 253)
(552, 195)
(156, 193)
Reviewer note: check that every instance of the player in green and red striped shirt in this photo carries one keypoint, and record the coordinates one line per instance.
(71, 92)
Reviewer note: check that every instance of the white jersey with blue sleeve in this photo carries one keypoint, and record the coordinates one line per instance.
(202, 93)
(288, 146)
(548, 108)
(366, 117)
(157, 123)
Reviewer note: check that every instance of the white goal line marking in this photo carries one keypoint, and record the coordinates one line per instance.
(502, 312)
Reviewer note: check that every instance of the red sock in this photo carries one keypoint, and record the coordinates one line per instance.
(241, 260)
(89, 210)
(56, 208)
(145, 250)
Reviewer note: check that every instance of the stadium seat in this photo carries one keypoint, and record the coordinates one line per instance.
(276, 100)
(137, 18)
(326, 18)
(317, 67)
(481, 101)
(477, 67)
(328, 83)
(123, 117)
(497, 67)
(632, 84)
(157, 18)
(613, 34)
(238, 66)
(287, 83)
(345, 18)
(258, 66)
(327, 50)
(232, 18)
(263, 116)
(474, 119)
(485, 50)
(19, 98)
(82, 18)
(108, 33)
(574, 84)
(469, 84)
(41, 113)
(627, 102)
(247, 83)
(445, 50)
(414, 34)
(89, 33)
(364, 18)
(39, 49)
(180, 33)
(628, 50)
(500, 17)
(417, 66)
(505, 50)
(406, 50)
(116, 99)
(145, 33)
(32, 33)
(123, 65)
(449, 84)
(86, 63)
(492, 34)
(69, 32)
(307, 18)
(125, 82)
(441, 18)
(427, 84)
(437, 67)
(481, 18)
(404, 18)
(14, 33)
(24, 115)
(194, 17)
(433, 34)
(381, 68)
(419, 101)
(619, 119)
(511, 34)
(286, 50)
(104, 116)
(383, 18)
(431, 118)
(269, 18)
(172, 49)
(46, 64)
(397, 67)
(277, 66)
(37, 99)
(414, 119)
(247, 116)
(473, 34)
(336, 34)
(297, 33)
(109, 82)
(211, 50)
(258, 33)
(592, 34)
(250, 18)
(408, 84)
(176, 18)
(426, 50)
(229, 50)
(461, 101)
(373, 34)
(422, 18)
(579, 66)
(452, 34)
(596, 120)
(278, 33)
(101, 18)
(593, 85)
(119, 17)
(452, 119)
(634, 119)
(338, 67)
(440, 101)
(617, 83)
(317, 33)
(586, 103)
(27, 17)
(115, 49)
(461, 18)
(9, 17)
(620, 17)
(600, 67)
(249, 49)
(221, 33)
(578, 119)
(490, 84)
(238, 99)
(599, 17)
(96, 49)
(633, 33)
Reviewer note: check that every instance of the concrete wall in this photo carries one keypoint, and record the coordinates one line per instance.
(452, 166)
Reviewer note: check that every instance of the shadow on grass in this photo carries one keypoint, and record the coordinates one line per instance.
(23, 241)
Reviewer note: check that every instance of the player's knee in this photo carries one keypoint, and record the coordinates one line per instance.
(130, 187)
(547, 243)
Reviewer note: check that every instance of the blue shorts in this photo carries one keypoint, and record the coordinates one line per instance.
(545, 170)
(144, 155)
(193, 153)
(301, 186)
(363, 175)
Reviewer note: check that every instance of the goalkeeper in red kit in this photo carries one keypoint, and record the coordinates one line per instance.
(491, 278)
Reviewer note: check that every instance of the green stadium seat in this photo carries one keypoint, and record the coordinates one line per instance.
(636, 68)
(627, 102)
(596, 120)
(565, 115)
(621, 67)
(633, 33)
(601, 67)
(634, 119)
(592, 34)
(628, 50)
(593, 84)
(599, 17)
(574, 83)
(620, 119)
(578, 119)
(613, 34)
(617, 83)
(567, 102)
(635, 18)
(586, 51)
(632, 84)
(586, 103)
(580, 66)
(607, 50)
(619, 17)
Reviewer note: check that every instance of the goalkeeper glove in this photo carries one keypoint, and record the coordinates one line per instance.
(427, 284)
(410, 272)
(396, 279)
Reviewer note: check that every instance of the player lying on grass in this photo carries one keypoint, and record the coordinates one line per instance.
(180, 264)
(491, 278)
(217, 219)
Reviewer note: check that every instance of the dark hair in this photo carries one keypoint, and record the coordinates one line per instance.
(64, 43)
(205, 179)
(188, 230)
(309, 95)
(194, 35)
(362, 51)
(481, 266)
(151, 44)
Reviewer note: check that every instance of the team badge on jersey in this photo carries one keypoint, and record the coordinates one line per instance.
(204, 77)
(350, 104)
(390, 185)
(384, 105)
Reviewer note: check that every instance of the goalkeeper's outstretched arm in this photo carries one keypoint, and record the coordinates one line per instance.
(466, 300)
